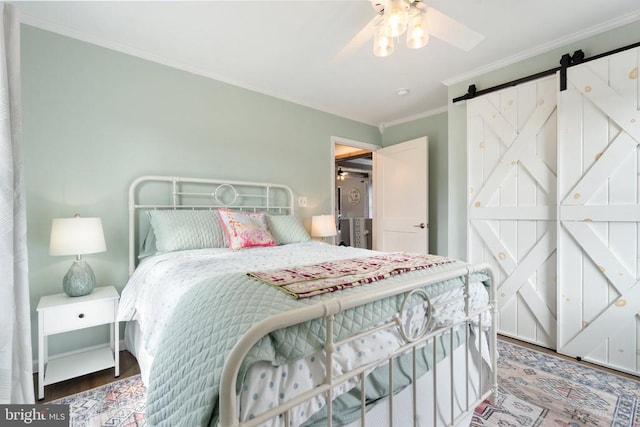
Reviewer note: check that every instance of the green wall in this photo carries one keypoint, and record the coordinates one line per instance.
(457, 155)
(95, 119)
(435, 129)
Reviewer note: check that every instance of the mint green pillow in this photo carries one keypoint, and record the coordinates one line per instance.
(287, 229)
(179, 230)
(148, 245)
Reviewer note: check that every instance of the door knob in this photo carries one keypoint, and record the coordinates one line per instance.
(421, 225)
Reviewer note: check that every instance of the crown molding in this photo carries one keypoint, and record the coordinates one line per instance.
(382, 126)
(547, 47)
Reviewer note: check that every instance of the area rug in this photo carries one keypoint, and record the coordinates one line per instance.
(535, 390)
(117, 404)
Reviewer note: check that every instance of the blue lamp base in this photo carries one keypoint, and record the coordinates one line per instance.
(79, 280)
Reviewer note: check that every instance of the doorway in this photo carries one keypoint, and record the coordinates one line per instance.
(352, 192)
(354, 196)
(398, 194)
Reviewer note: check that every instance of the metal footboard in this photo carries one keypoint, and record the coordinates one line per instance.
(483, 336)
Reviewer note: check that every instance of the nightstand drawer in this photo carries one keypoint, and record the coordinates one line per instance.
(78, 316)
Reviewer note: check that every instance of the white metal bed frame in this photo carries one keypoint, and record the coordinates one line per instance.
(328, 309)
(247, 196)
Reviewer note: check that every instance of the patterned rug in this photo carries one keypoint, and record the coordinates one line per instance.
(535, 390)
(120, 403)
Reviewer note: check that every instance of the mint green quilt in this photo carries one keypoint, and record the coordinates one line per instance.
(212, 315)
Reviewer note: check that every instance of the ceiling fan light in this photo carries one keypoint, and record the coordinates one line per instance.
(395, 17)
(382, 43)
(417, 31)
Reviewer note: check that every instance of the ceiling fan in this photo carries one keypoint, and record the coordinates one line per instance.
(394, 17)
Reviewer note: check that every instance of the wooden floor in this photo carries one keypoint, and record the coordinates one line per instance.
(129, 366)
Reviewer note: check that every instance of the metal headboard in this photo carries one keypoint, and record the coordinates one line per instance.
(172, 192)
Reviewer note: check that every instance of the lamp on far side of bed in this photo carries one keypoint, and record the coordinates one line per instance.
(77, 236)
(323, 226)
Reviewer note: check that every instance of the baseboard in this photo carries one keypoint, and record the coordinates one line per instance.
(80, 350)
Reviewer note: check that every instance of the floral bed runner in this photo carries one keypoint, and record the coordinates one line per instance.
(310, 280)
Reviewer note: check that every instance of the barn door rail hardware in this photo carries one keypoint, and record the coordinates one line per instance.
(566, 61)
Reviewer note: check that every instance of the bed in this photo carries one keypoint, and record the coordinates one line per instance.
(238, 318)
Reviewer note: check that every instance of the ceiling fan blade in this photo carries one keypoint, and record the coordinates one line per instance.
(451, 31)
(361, 38)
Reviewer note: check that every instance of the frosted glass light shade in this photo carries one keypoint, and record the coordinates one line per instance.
(76, 236)
(382, 43)
(417, 31)
(323, 226)
(395, 17)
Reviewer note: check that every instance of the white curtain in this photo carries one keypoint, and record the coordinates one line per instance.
(16, 383)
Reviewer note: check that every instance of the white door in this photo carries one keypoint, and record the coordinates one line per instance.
(599, 215)
(511, 173)
(401, 205)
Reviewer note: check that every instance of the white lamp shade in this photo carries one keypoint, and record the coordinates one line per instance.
(323, 226)
(76, 236)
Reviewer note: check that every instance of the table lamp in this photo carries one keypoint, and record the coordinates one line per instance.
(323, 226)
(77, 236)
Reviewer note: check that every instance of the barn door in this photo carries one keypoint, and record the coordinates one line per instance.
(511, 137)
(599, 214)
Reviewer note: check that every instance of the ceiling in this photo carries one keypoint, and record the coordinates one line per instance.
(287, 49)
(352, 159)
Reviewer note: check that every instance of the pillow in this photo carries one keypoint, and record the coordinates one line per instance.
(178, 230)
(148, 246)
(246, 229)
(287, 229)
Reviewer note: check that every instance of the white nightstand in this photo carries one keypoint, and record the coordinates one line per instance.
(61, 313)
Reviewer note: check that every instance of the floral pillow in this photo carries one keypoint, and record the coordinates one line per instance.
(246, 229)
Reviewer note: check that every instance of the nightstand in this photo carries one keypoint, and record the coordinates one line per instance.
(61, 313)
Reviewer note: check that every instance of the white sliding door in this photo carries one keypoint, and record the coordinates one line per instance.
(512, 203)
(599, 213)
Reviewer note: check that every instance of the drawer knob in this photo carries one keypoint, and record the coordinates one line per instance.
(81, 315)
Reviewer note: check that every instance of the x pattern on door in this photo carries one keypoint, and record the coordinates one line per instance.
(599, 217)
(498, 205)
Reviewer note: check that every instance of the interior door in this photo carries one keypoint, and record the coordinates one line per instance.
(599, 193)
(400, 185)
(511, 173)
